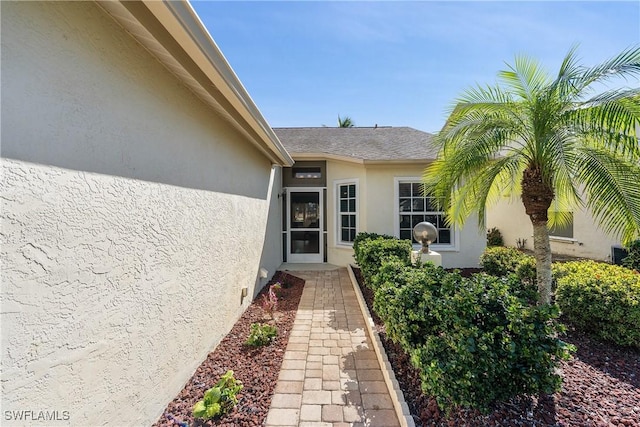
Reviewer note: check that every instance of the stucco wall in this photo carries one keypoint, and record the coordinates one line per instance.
(132, 216)
(588, 240)
(377, 212)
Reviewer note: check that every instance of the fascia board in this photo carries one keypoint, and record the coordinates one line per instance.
(215, 75)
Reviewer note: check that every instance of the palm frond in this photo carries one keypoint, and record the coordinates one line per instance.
(625, 64)
(525, 77)
(611, 186)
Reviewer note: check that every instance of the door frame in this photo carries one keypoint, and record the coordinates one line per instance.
(316, 258)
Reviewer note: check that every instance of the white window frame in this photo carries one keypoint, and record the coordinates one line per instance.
(337, 219)
(454, 246)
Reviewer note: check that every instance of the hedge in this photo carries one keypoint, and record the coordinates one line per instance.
(500, 260)
(474, 340)
(600, 299)
(372, 251)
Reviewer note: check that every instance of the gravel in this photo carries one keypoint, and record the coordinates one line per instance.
(601, 387)
(257, 368)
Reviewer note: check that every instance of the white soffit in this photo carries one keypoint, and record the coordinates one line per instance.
(246, 118)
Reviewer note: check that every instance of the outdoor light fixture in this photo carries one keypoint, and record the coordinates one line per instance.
(425, 233)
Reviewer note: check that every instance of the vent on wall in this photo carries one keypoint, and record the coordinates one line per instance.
(618, 253)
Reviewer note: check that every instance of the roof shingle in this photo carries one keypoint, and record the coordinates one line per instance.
(361, 143)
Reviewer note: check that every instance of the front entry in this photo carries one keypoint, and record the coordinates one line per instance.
(304, 225)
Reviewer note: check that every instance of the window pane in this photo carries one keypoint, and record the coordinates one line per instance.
(344, 206)
(352, 221)
(345, 220)
(404, 189)
(417, 189)
(305, 242)
(344, 191)
(306, 173)
(352, 190)
(418, 205)
(405, 205)
(564, 230)
(352, 235)
(433, 219)
(352, 205)
(406, 234)
(416, 219)
(444, 236)
(405, 221)
(345, 234)
(430, 206)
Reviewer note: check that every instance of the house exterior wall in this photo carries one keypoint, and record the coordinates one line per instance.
(127, 234)
(377, 211)
(588, 241)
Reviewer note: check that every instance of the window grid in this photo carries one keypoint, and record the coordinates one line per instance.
(414, 208)
(347, 213)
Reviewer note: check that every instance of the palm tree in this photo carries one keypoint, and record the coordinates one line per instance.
(557, 142)
(345, 122)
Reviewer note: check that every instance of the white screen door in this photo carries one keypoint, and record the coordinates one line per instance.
(304, 225)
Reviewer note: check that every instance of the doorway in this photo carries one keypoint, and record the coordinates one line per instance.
(305, 225)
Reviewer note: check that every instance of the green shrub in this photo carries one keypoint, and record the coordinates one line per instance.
(403, 299)
(487, 345)
(363, 237)
(219, 399)
(500, 261)
(261, 334)
(373, 252)
(494, 237)
(600, 299)
(632, 260)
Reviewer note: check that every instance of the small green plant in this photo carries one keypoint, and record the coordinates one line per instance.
(219, 399)
(632, 260)
(521, 244)
(494, 237)
(261, 334)
(270, 301)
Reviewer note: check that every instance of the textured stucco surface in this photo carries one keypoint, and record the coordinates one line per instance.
(132, 216)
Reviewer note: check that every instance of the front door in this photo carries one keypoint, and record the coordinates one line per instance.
(304, 225)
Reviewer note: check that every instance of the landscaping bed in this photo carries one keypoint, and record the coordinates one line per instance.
(601, 387)
(256, 367)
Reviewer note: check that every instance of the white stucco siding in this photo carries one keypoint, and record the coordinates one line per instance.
(588, 241)
(377, 211)
(344, 172)
(132, 217)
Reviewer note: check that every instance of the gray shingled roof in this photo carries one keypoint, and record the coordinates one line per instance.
(363, 143)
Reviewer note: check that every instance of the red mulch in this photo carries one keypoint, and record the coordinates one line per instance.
(257, 368)
(601, 387)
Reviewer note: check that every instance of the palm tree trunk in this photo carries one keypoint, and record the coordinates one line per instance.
(542, 252)
(537, 195)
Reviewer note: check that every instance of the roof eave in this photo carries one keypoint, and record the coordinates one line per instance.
(366, 162)
(203, 64)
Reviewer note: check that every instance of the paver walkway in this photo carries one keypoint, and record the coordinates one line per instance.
(330, 375)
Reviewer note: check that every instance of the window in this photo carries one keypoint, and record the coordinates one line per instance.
(347, 211)
(566, 230)
(414, 207)
(306, 173)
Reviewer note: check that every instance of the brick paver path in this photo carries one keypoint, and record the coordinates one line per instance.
(330, 375)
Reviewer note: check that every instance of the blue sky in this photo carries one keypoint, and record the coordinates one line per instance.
(399, 63)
